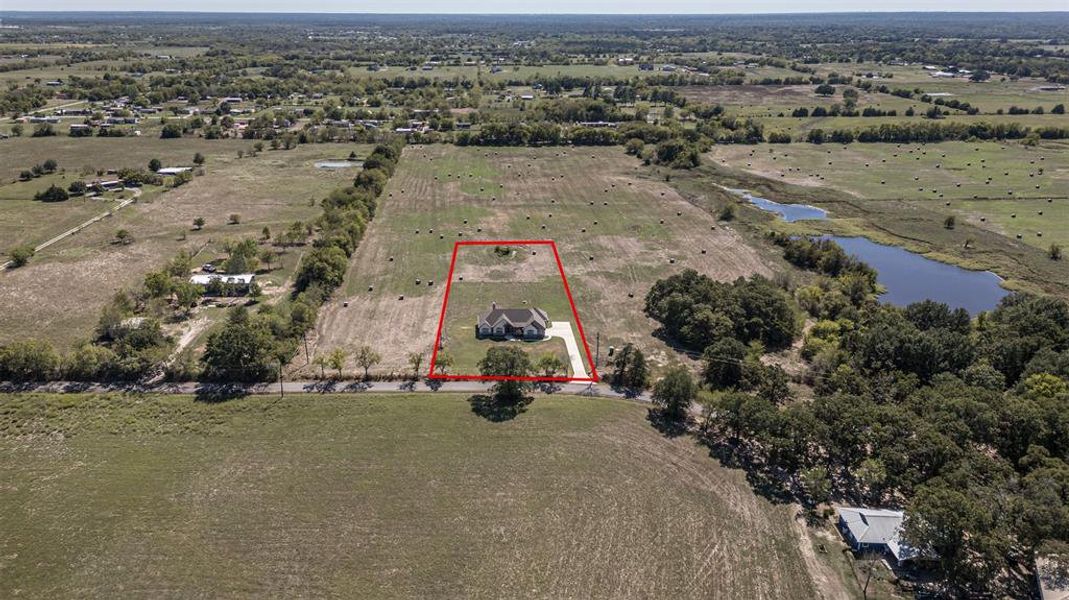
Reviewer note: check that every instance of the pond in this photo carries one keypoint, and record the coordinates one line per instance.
(789, 212)
(910, 277)
(336, 164)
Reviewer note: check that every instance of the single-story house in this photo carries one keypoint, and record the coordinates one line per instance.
(876, 530)
(238, 281)
(526, 323)
(173, 170)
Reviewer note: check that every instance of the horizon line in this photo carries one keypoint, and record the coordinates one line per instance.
(529, 14)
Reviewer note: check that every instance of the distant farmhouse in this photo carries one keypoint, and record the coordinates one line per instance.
(500, 323)
(879, 531)
(216, 284)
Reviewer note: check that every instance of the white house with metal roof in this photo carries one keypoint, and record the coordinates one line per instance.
(870, 529)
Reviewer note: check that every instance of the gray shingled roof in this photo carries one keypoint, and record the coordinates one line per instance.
(515, 317)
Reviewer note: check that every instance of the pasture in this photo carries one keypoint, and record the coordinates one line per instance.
(59, 294)
(617, 229)
(775, 100)
(1001, 187)
(381, 496)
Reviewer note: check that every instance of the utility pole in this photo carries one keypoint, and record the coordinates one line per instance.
(597, 349)
(307, 358)
(281, 388)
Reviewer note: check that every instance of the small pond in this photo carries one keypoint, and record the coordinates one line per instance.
(336, 164)
(789, 212)
(910, 277)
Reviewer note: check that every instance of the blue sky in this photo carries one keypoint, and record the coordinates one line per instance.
(542, 6)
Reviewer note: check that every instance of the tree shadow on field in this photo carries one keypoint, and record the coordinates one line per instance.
(220, 392)
(769, 483)
(670, 428)
(496, 410)
(548, 387)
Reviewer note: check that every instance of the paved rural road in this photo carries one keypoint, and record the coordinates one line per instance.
(563, 330)
(77, 228)
(311, 387)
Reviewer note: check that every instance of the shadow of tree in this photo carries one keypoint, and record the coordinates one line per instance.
(668, 427)
(495, 410)
(434, 384)
(321, 387)
(220, 392)
(548, 387)
(768, 483)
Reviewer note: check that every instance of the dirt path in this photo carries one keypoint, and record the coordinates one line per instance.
(77, 228)
(826, 580)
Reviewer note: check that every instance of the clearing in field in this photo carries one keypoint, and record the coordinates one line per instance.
(511, 293)
(618, 230)
(378, 496)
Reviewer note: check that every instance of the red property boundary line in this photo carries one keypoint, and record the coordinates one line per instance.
(567, 290)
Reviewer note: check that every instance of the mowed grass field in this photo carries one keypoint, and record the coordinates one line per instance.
(1001, 187)
(378, 496)
(618, 230)
(59, 294)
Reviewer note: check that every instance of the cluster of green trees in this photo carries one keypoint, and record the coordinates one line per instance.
(935, 131)
(968, 422)
(695, 310)
(963, 421)
(45, 168)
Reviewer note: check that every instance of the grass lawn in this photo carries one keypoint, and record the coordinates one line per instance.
(376, 496)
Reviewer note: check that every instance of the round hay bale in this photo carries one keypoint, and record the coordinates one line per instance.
(371, 288)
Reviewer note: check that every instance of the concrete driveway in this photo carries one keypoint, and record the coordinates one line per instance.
(563, 330)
